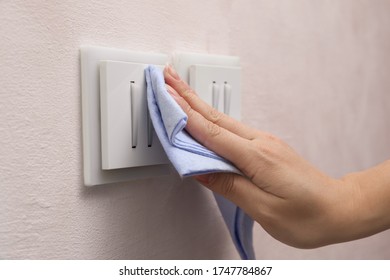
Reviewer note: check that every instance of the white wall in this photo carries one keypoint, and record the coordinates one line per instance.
(315, 73)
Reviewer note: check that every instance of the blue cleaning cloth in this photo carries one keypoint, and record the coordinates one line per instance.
(191, 158)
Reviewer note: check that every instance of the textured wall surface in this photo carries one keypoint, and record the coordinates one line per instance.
(315, 73)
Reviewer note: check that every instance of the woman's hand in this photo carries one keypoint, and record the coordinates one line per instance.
(293, 201)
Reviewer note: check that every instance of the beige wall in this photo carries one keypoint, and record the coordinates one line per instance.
(315, 73)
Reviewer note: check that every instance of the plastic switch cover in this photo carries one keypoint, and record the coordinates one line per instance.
(219, 86)
(215, 78)
(128, 139)
(91, 57)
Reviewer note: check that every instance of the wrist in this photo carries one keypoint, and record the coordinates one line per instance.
(366, 206)
(343, 220)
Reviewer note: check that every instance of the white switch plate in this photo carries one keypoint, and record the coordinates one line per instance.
(128, 137)
(201, 70)
(91, 117)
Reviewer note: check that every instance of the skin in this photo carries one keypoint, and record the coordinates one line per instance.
(292, 200)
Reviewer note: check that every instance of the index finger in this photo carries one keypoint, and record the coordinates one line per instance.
(218, 139)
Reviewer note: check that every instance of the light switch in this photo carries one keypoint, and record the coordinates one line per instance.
(215, 78)
(130, 127)
(128, 137)
(219, 86)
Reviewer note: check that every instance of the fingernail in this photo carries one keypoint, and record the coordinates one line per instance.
(203, 179)
(172, 72)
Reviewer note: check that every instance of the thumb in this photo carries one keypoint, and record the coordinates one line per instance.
(222, 183)
(238, 189)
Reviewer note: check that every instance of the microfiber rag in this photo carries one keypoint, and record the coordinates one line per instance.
(190, 158)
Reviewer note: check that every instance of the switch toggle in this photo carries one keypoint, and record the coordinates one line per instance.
(227, 94)
(135, 105)
(215, 95)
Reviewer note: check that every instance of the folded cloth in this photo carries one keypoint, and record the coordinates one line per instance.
(191, 158)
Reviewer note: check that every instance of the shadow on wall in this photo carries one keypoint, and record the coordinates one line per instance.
(163, 218)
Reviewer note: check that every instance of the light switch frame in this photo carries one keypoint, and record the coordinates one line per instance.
(90, 57)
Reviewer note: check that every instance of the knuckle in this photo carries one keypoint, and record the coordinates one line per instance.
(254, 171)
(189, 111)
(225, 184)
(268, 151)
(188, 93)
(275, 141)
(266, 155)
(271, 137)
(215, 116)
(212, 129)
(257, 161)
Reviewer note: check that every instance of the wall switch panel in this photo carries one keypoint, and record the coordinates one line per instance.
(215, 78)
(119, 142)
(97, 171)
(128, 138)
